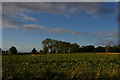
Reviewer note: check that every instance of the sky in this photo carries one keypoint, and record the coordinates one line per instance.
(0, 25)
(26, 24)
(59, 0)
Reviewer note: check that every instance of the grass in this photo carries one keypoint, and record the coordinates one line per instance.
(69, 66)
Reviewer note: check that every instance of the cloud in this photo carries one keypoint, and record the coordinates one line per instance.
(106, 34)
(28, 18)
(60, 0)
(101, 34)
(17, 11)
(8, 23)
(109, 37)
(34, 27)
(67, 15)
(102, 38)
(49, 30)
(61, 8)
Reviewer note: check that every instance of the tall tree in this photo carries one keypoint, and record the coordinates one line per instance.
(74, 48)
(45, 49)
(48, 44)
(13, 50)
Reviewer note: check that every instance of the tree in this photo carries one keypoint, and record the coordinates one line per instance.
(74, 48)
(0, 50)
(55, 46)
(41, 52)
(60, 47)
(47, 45)
(83, 49)
(13, 50)
(114, 48)
(67, 46)
(45, 49)
(100, 49)
(34, 51)
(118, 48)
(89, 48)
(5, 51)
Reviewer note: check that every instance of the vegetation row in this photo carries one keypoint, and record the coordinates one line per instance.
(56, 46)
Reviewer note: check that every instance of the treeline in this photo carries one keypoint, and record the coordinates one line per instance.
(56, 46)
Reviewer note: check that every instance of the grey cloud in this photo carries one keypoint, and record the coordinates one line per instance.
(111, 33)
(103, 34)
(14, 8)
(65, 8)
(8, 23)
(60, 0)
(34, 27)
(95, 9)
(106, 34)
(49, 30)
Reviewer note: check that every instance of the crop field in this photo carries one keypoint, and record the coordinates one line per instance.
(69, 66)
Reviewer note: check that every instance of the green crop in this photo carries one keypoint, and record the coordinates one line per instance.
(70, 66)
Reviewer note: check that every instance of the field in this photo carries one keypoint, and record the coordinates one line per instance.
(69, 66)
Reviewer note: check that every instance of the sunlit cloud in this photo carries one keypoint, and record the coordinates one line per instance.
(28, 18)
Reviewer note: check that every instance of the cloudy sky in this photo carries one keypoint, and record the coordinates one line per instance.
(26, 24)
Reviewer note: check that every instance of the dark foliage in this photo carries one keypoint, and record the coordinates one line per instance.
(13, 50)
(41, 52)
(55, 46)
(34, 51)
(45, 50)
